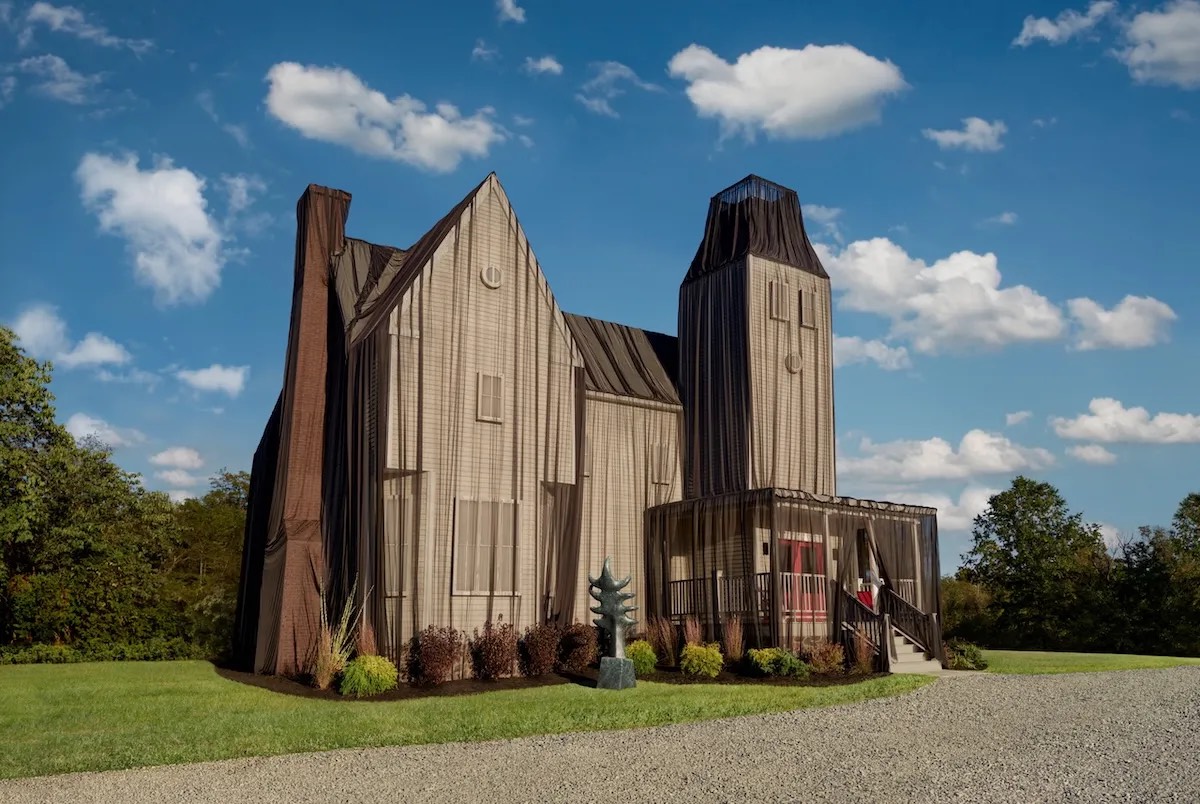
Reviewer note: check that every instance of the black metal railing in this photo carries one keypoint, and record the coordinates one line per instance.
(921, 628)
(861, 622)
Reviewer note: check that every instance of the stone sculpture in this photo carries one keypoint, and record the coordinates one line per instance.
(616, 672)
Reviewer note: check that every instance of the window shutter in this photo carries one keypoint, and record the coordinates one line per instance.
(808, 304)
(778, 297)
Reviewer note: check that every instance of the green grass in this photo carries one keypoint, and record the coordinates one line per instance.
(103, 716)
(1023, 662)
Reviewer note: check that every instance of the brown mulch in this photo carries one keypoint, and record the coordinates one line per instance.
(470, 686)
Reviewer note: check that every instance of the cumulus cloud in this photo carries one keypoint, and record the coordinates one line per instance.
(54, 78)
(546, 65)
(43, 334)
(827, 217)
(1092, 453)
(1003, 219)
(953, 514)
(1013, 419)
(1163, 46)
(509, 11)
(73, 22)
(978, 453)
(1111, 535)
(815, 92)
(225, 379)
(162, 214)
(178, 458)
(955, 303)
(178, 477)
(608, 82)
(180, 495)
(1108, 421)
(976, 134)
(1136, 322)
(83, 425)
(238, 132)
(333, 105)
(852, 349)
(1066, 26)
(483, 51)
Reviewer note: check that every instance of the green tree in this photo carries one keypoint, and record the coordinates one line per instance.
(965, 611)
(1047, 572)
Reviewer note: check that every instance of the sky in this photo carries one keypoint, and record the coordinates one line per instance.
(1006, 196)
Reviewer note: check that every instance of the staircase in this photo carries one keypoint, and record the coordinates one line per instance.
(910, 658)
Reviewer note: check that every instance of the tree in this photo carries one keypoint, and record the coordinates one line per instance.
(1047, 572)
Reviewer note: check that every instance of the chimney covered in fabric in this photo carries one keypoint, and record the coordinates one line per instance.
(756, 349)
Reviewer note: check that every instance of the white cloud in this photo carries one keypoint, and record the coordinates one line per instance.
(242, 189)
(607, 83)
(1134, 323)
(1111, 535)
(1003, 219)
(1109, 421)
(525, 140)
(1042, 122)
(1163, 46)
(72, 21)
(953, 515)
(1013, 419)
(509, 11)
(162, 214)
(82, 425)
(977, 134)
(543, 66)
(227, 379)
(180, 495)
(178, 477)
(827, 217)
(57, 80)
(133, 375)
(8, 88)
(522, 120)
(237, 131)
(850, 350)
(1092, 453)
(978, 453)
(178, 458)
(1067, 25)
(43, 334)
(815, 92)
(332, 104)
(483, 51)
(955, 303)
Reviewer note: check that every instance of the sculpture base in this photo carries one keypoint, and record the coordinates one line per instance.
(615, 674)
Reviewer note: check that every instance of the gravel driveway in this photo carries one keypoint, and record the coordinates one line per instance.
(1121, 736)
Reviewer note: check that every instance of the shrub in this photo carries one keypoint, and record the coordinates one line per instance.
(691, 631)
(538, 650)
(578, 647)
(368, 675)
(41, 654)
(366, 644)
(432, 654)
(962, 655)
(642, 654)
(701, 660)
(777, 662)
(732, 639)
(493, 651)
(664, 638)
(827, 658)
(332, 650)
(864, 654)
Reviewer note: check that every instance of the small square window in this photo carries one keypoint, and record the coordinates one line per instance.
(808, 309)
(491, 398)
(780, 295)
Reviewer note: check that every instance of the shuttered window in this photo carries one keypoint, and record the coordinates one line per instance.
(491, 398)
(779, 298)
(808, 309)
(485, 547)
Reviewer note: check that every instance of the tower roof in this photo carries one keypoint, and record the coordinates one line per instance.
(759, 217)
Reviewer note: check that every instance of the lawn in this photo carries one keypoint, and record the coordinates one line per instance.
(102, 716)
(1027, 662)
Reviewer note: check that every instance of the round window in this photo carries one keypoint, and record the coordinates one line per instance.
(490, 276)
(792, 363)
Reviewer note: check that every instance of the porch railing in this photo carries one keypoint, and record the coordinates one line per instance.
(860, 621)
(907, 589)
(921, 628)
(804, 596)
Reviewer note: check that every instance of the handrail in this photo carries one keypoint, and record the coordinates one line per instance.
(908, 620)
(859, 618)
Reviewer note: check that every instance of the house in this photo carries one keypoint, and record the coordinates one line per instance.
(455, 448)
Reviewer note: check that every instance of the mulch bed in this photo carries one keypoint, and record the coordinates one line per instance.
(470, 686)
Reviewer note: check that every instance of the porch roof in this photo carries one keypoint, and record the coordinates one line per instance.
(795, 495)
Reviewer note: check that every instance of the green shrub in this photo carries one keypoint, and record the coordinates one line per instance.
(702, 660)
(578, 648)
(41, 654)
(368, 675)
(777, 662)
(642, 654)
(151, 650)
(827, 658)
(538, 650)
(962, 655)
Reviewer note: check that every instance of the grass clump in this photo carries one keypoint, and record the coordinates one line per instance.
(961, 655)
(732, 639)
(661, 633)
(827, 658)
(368, 675)
(642, 654)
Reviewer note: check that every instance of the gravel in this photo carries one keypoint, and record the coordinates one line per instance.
(1095, 737)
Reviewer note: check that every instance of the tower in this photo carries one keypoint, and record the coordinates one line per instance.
(756, 349)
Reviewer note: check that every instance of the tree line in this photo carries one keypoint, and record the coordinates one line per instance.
(93, 564)
(1037, 577)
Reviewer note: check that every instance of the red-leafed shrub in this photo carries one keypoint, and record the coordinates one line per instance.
(432, 655)
(493, 651)
(539, 649)
(578, 647)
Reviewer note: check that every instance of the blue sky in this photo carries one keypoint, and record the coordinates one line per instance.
(1006, 197)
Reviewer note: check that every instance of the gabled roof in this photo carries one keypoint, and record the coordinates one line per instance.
(626, 361)
(758, 217)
